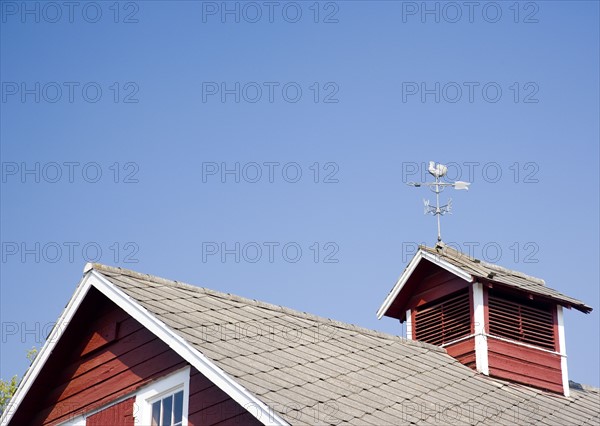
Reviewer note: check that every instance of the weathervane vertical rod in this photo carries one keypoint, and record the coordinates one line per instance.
(438, 210)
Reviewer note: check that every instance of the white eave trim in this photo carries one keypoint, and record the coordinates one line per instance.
(220, 378)
(436, 260)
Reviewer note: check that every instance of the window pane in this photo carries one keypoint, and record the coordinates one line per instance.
(156, 414)
(178, 407)
(167, 411)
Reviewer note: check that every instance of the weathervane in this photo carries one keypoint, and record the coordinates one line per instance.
(438, 171)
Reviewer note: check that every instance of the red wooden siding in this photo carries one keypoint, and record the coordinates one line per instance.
(104, 355)
(436, 284)
(120, 414)
(463, 351)
(533, 322)
(525, 365)
(209, 405)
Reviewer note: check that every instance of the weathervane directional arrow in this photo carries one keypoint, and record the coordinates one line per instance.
(438, 171)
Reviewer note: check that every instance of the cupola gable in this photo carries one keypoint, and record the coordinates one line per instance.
(500, 322)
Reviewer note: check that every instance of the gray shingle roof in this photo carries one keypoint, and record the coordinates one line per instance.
(312, 370)
(503, 276)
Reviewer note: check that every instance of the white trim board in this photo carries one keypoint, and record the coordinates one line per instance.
(220, 378)
(562, 347)
(409, 325)
(481, 346)
(412, 265)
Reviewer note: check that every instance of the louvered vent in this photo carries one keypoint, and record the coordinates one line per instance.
(444, 321)
(521, 322)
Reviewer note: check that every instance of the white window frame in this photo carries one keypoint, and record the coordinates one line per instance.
(179, 380)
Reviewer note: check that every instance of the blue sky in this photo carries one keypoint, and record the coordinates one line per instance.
(155, 137)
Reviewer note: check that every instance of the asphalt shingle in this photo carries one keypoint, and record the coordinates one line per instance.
(313, 370)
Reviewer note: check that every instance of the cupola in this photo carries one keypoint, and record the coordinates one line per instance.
(500, 322)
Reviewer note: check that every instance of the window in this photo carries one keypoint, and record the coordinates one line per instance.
(523, 321)
(445, 321)
(165, 402)
(168, 410)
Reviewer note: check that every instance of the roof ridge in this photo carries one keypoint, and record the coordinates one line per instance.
(283, 309)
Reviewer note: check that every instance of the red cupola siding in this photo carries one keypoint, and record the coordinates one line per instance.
(499, 322)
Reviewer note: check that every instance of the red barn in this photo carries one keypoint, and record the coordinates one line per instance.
(485, 346)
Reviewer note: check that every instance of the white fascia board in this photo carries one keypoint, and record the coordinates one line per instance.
(40, 360)
(436, 260)
(220, 378)
(399, 284)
